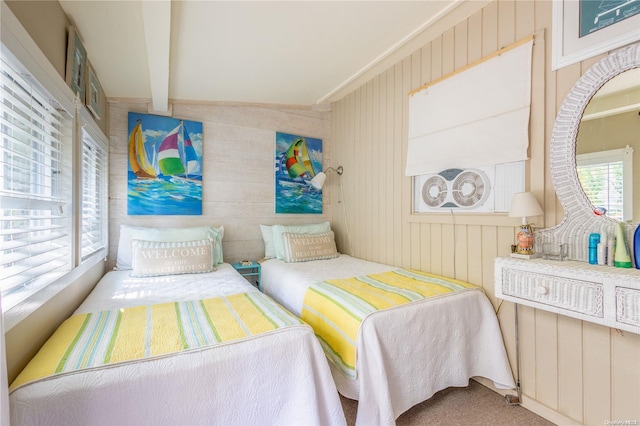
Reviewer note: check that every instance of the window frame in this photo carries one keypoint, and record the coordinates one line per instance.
(621, 155)
(17, 47)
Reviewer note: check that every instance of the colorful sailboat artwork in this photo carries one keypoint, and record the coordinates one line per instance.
(298, 159)
(138, 159)
(165, 166)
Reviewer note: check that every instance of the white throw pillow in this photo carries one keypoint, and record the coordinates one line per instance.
(129, 233)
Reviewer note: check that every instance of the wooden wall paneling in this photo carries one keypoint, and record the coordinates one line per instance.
(474, 37)
(461, 250)
(461, 39)
(528, 350)
(382, 169)
(506, 23)
(398, 100)
(596, 355)
(425, 64)
(369, 189)
(488, 245)
(349, 177)
(358, 171)
(389, 188)
(547, 358)
(448, 51)
(625, 375)
(448, 250)
(477, 262)
(401, 161)
(524, 25)
(425, 247)
(570, 368)
(415, 234)
(489, 29)
(436, 58)
(373, 172)
(436, 249)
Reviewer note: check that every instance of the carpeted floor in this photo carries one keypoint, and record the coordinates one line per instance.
(474, 405)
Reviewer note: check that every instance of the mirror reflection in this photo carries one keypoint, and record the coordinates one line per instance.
(608, 146)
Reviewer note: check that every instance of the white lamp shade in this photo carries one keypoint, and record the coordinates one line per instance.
(318, 180)
(525, 204)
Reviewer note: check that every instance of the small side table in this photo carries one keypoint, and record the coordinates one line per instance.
(250, 270)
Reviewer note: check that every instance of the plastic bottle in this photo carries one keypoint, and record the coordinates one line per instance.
(621, 258)
(602, 253)
(636, 247)
(594, 239)
(611, 250)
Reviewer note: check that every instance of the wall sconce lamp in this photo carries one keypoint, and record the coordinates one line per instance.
(524, 204)
(318, 180)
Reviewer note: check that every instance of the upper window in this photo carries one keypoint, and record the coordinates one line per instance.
(35, 177)
(94, 198)
(606, 179)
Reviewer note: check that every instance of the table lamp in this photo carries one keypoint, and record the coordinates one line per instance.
(524, 204)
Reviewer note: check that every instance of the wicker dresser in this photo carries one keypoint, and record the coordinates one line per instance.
(600, 294)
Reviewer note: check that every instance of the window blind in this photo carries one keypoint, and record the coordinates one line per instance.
(606, 178)
(35, 242)
(94, 163)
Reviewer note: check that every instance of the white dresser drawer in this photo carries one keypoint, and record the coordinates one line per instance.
(584, 297)
(628, 306)
(600, 294)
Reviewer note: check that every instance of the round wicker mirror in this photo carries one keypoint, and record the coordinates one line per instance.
(579, 218)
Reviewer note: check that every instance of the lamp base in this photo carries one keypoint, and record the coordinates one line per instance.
(525, 256)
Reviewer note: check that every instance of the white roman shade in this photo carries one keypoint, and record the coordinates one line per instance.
(477, 116)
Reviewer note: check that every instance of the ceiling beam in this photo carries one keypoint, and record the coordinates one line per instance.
(156, 18)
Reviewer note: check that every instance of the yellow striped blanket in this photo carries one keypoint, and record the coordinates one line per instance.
(336, 308)
(120, 335)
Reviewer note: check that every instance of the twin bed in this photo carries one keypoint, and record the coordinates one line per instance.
(207, 348)
(225, 369)
(405, 353)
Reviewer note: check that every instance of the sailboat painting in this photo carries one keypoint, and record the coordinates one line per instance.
(165, 166)
(297, 160)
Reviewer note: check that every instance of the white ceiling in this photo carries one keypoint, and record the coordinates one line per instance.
(277, 52)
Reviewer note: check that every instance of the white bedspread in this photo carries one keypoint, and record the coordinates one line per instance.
(408, 353)
(277, 378)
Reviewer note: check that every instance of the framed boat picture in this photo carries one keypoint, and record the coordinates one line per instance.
(76, 67)
(94, 91)
(297, 160)
(165, 166)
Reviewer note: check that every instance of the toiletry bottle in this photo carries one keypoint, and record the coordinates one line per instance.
(602, 252)
(594, 239)
(610, 250)
(621, 258)
(636, 247)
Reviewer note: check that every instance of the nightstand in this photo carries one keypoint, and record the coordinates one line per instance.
(250, 270)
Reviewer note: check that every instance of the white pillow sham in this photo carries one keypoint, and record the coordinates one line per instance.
(154, 258)
(129, 233)
(306, 247)
(278, 230)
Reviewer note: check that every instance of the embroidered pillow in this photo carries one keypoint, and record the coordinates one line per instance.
(278, 230)
(305, 247)
(129, 233)
(153, 258)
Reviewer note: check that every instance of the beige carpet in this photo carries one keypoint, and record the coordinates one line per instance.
(473, 405)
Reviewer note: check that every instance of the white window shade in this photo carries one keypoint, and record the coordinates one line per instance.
(477, 117)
